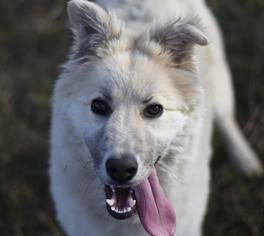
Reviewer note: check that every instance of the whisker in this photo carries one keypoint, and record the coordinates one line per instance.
(168, 171)
(84, 163)
(86, 183)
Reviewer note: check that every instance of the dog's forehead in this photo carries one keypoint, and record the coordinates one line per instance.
(132, 75)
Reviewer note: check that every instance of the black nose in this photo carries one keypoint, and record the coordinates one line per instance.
(122, 169)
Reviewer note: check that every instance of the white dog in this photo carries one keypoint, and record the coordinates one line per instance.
(132, 118)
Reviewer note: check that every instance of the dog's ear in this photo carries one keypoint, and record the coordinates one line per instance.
(177, 39)
(92, 26)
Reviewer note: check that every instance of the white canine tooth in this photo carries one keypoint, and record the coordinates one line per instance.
(110, 202)
(133, 203)
(113, 188)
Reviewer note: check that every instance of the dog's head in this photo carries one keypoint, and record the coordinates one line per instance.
(128, 95)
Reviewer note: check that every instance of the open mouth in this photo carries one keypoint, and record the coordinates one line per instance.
(156, 213)
(120, 202)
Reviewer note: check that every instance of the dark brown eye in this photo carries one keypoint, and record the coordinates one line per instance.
(100, 107)
(153, 111)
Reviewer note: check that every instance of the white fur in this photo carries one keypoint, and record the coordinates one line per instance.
(192, 100)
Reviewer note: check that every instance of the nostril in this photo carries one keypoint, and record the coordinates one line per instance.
(112, 170)
(131, 170)
(112, 166)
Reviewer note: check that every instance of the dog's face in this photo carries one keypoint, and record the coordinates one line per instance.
(127, 105)
(128, 96)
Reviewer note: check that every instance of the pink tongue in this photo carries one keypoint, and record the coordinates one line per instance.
(155, 211)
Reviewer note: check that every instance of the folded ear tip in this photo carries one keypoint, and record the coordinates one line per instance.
(198, 35)
(204, 40)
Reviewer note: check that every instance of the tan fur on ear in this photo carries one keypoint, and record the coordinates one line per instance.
(173, 42)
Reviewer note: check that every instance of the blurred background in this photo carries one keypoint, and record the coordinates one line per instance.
(34, 40)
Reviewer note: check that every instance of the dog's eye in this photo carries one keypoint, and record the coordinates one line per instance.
(153, 111)
(100, 107)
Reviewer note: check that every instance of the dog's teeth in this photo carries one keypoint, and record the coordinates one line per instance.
(121, 211)
(110, 202)
(112, 188)
(132, 202)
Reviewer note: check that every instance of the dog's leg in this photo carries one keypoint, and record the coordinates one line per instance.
(241, 153)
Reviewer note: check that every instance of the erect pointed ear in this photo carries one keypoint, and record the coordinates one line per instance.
(92, 26)
(177, 39)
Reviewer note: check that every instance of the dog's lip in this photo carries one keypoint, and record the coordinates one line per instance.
(157, 160)
(120, 201)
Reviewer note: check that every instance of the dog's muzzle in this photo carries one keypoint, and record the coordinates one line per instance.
(121, 201)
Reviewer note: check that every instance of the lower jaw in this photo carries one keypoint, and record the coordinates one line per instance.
(120, 216)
